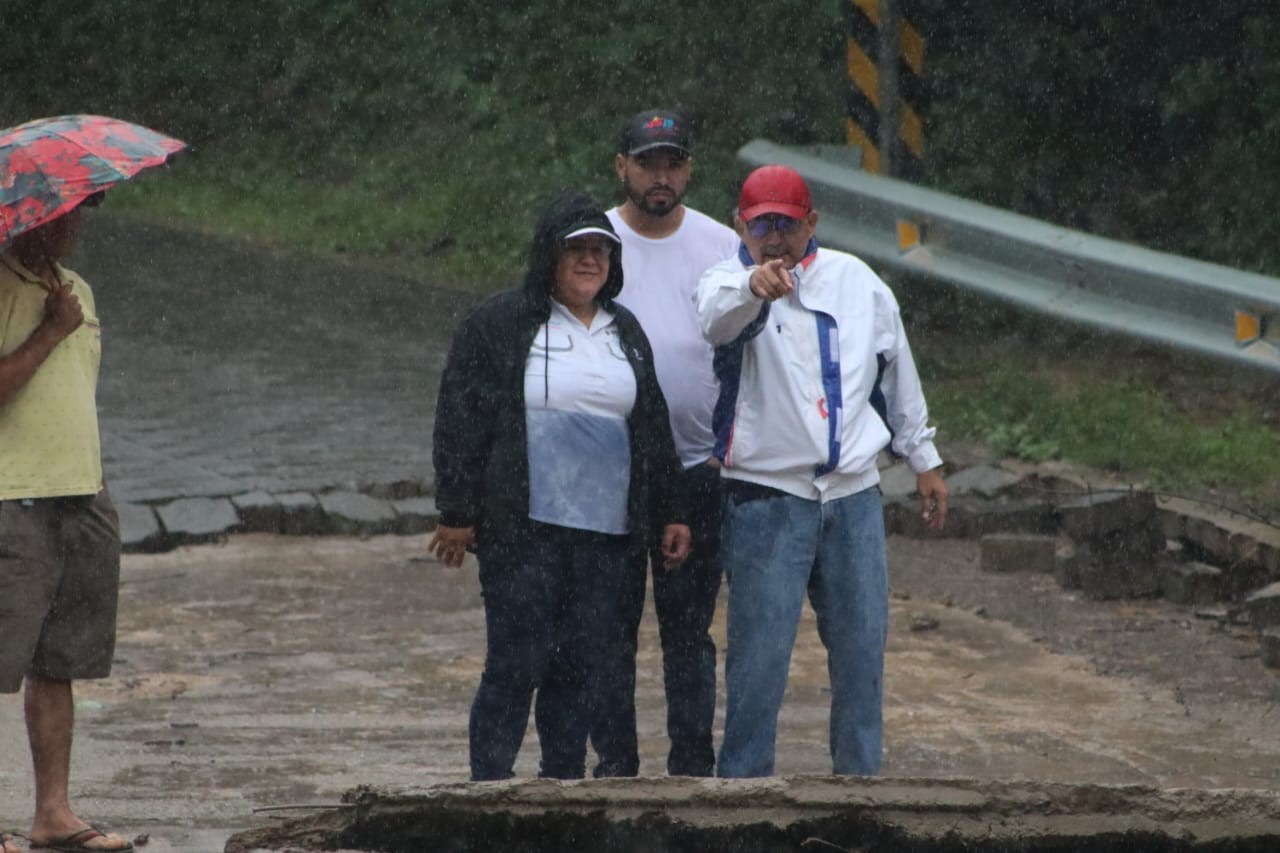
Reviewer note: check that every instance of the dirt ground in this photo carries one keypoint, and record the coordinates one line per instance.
(267, 674)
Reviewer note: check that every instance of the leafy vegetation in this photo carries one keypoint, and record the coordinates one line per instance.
(427, 133)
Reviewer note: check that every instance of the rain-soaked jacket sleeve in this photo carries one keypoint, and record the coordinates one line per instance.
(907, 413)
(726, 306)
(466, 411)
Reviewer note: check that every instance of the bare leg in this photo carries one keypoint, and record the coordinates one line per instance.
(50, 715)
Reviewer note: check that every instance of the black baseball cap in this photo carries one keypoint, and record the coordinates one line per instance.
(656, 129)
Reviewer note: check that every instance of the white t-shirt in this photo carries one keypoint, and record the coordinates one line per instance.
(660, 282)
(579, 389)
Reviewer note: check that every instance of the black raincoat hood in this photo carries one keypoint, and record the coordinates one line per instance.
(564, 215)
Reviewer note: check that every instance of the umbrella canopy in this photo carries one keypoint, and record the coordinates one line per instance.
(50, 165)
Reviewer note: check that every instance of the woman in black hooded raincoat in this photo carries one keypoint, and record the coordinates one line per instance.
(553, 455)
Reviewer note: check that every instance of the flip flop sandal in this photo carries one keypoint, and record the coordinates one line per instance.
(77, 842)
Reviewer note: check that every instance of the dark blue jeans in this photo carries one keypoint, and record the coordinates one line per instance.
(685, 602)
(547, 610)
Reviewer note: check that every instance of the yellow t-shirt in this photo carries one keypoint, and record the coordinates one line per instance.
(49, 444)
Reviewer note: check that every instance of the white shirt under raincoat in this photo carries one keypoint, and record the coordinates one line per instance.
(798, 375)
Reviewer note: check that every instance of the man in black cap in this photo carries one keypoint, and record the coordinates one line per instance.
(666, 247)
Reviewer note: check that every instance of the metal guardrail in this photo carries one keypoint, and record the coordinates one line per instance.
(907, 229)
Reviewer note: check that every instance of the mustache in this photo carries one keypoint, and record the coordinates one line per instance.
(659, 188)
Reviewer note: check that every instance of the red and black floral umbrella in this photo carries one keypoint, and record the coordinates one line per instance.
(50, 165)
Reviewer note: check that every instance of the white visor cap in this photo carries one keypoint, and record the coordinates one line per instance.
(592, 229)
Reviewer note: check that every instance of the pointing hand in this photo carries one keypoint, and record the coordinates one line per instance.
(771, 280)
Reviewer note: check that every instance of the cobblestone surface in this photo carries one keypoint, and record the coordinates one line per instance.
(229, 368)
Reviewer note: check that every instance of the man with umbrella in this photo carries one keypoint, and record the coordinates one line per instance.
(59, 536)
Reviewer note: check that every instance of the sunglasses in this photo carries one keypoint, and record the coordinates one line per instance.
(762, 225)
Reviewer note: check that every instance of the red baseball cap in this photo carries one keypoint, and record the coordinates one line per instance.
(774, 189)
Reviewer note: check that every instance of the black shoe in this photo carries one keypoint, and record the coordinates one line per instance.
(616, 769)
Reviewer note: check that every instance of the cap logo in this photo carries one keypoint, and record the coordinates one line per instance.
(660, 123)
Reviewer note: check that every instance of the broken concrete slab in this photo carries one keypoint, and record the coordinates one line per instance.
(198, 519)
(140, 530)
(1227, 538)
(356, 514)
(259, 511)
(1018, 552)
(788, 813)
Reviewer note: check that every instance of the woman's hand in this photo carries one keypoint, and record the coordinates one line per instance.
(676, 540)
(450, 544)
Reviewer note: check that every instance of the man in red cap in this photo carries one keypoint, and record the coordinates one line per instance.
(816, 378)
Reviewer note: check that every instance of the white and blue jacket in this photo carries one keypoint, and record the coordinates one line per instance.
(802, 378)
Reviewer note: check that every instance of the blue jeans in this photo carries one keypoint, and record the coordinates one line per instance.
(547, 611)
(685, 601)
(776, 547)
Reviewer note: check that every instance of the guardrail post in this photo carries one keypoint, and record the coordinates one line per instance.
(884, 57)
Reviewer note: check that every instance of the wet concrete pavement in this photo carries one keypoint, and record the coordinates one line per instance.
(275, 673)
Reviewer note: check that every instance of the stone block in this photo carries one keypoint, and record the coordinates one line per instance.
(1137, 578)
(1271, 648)
(355, 514)
(897, 481)
(398, 490)
(259, 511)
(902, 517)
(1191, 583)
(986, 481)
(191, 520)
(895, 513)
(1124, 546)
(140, 530)
(1263, 606)
(1097, 515)
(302, 514)
(1066, 567)
(1242, 579)
(1120, 564)
(1172, 522)
(1269, 556)
(1018, 552)
(964, 518)
(416, 515)
(1208, 538)
(1021, 515)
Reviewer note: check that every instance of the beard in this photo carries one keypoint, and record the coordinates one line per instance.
(653, 203)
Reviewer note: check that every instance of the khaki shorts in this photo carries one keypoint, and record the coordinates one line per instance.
(59, 584)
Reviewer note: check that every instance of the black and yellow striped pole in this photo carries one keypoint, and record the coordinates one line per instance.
(884, 53)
